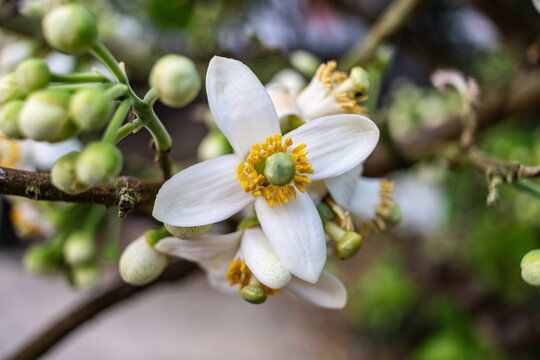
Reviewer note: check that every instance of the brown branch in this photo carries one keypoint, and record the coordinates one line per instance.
(126, 193)
(69, 322)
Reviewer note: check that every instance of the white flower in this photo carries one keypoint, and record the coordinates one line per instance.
(235, 260)
(212, 191)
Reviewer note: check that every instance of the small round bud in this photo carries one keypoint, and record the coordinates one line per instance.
(86, 276)
(70, 28)
(213, 145)
(253, 294)
(360, 79)
(140, 264)
(44, 115)
(64, 175)
(349, 245)
(9, 89)
(175, 79)
(39, 260)
(530, 267)
(79, 248)
(391, 215)
(279, 169)
(99, 164)
(192, 232)
(32, 74)
(9, 119)
(90, 108)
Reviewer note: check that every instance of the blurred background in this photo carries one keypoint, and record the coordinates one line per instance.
(444, 284)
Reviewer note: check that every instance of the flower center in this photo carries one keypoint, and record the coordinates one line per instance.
(273, 172)
(9, 152)
(239, 273)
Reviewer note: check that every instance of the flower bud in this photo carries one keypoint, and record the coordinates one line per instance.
(86, 276)
(70, 28)
(99, 164)
(530, 267)
(44, 116)
(9, 89)
(175, 80)
(39, 259)
(253, 294)
(305, 62)
(348, 246)
(9, 119)
(79, 248)
(279, 169)
(192, 232)
(64, 174)
(32, 74)
(213, 145)
(90, 108)
(140, 264)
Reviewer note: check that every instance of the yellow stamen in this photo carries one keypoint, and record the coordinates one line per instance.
(378, 224)
(239, 273)
(9, 152)
(254, 182)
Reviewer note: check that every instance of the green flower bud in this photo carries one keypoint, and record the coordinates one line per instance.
(39, 259)
(9, 119)
(213, 145)
(348, 246)
(64, 175)
(305, 62)
(10, 89)
(70, 28)
(530, 267)
(175, 79)
(253, 294)
(360, 79)
(140, 264)
(44, 115)
(86, 276)
(192, 232)
(279, 169)
(32, 74)
(99, 164)
(90, 108)
(79, 248)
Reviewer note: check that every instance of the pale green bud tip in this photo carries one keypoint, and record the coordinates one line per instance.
(279, 169)
(175, 79)
(253, 294)
(79, 248)
(9, 119)
(44, 116)
(70, 28)
(32, 74)
(64, 176)
(530, 267)
(213, 145)
(99, 164)
(360, 79)
(9, 89)
(86, 275)
(391, 215)
(348, 246)
(140, 264)
(192, 232)
(90, 108)
(39, 260)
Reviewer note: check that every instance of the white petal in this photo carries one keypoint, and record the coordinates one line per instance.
(328, 292)
(342, 187)
(283, 102)
(202, 194)
(296, 234)
(201, 249)
(262, 261)
(336, 143)
(289, 79)
(365, 199)
(239, 103)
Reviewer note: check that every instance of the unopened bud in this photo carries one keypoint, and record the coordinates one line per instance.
(44, 115)
(10, 89)
(79, 248)
(64, 175)
(253, 294)
(279, 169)
(39, 260)
(305, 62)
(175, 80)
(9, 119)
(32, 74)
(86, 276)
(530, 267)
(70, 28)
(99, 164)
(140, 264)
(213, 145)
(361, 79)
(192, 232)
(348, 246)
(90, 108)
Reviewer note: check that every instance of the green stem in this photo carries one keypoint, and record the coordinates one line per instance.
(333, 230)
(116, 91)
(151, 97)
(154, 235)
(150, 120)
(79, 78)
(93, 219)
(126, 129)
(112, 129)
(102, 53)
(529, 186)
(75, 87)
